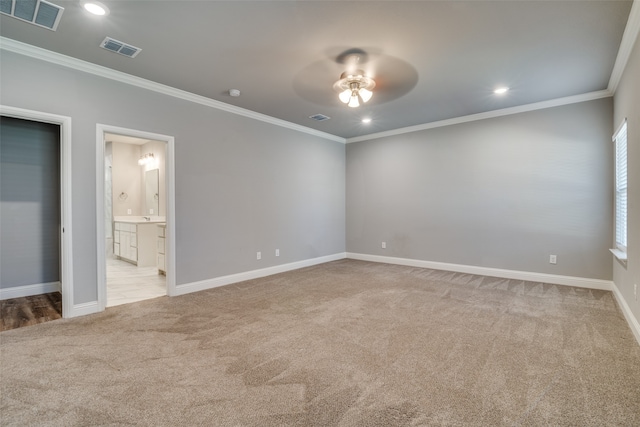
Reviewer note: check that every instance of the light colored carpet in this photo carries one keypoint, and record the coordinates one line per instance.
(347, 343)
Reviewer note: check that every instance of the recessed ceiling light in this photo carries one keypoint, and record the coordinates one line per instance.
(501, 90)
(366, 120)
(95, 8)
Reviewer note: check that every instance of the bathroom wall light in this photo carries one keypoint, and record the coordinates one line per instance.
(146, 159)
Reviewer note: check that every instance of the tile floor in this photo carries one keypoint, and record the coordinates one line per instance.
(127, 283)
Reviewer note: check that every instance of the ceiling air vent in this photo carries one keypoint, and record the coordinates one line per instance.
(119, 47)
(36, 12)
(319, 117)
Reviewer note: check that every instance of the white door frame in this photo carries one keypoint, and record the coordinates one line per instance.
(66, 275)
(101, 129)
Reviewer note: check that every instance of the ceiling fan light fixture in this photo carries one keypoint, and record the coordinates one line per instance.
(345, 95)
(365, 94)
(354, 88)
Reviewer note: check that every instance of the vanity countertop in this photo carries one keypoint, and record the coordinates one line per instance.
(140, 219)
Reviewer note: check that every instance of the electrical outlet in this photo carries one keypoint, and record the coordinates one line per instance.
(151, 211)
(259, 255)
(553, 259)
(128, 211)
(384, 245)
(277, 252)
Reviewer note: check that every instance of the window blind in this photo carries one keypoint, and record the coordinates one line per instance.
(620, 139)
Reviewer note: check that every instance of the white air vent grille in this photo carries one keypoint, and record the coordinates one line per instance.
(36, 12)
(319, 117)
(119, 47)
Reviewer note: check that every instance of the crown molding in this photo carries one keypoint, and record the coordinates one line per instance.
(488, 115)
(14, 46)
(629, 37)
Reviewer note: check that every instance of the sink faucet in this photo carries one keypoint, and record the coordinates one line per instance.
(147, 218)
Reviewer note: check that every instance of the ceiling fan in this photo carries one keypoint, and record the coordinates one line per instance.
(363, 76)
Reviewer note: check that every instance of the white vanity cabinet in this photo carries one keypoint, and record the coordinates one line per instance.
(125, 241)
(161, 249)
(136, 242)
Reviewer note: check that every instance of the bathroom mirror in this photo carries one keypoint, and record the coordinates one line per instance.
(152, 195)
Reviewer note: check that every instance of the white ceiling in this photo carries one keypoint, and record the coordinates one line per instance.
(112, 137)
(432, 60)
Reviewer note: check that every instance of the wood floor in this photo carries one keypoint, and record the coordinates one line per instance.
(26, 311)
(126, 283)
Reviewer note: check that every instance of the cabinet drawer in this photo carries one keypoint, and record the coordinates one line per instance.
(118, 226)
(132, 228)
(160, 245)
(161, 231)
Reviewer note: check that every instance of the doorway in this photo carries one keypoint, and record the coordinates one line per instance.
(135, 214)
(135, 218)
(36, 189)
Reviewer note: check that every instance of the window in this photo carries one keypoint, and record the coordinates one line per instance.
(620, 139)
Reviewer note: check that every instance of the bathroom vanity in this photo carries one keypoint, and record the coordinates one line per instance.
(162, 231)
(135, 240)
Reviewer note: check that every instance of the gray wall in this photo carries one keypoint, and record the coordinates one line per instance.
(241, 185)
(503, 193)
(627, 104)
(29, 203)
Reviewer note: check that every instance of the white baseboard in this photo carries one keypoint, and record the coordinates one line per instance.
(254, 274)
(82, 309)
(626, 310)
(580, 282)
(28, 290)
